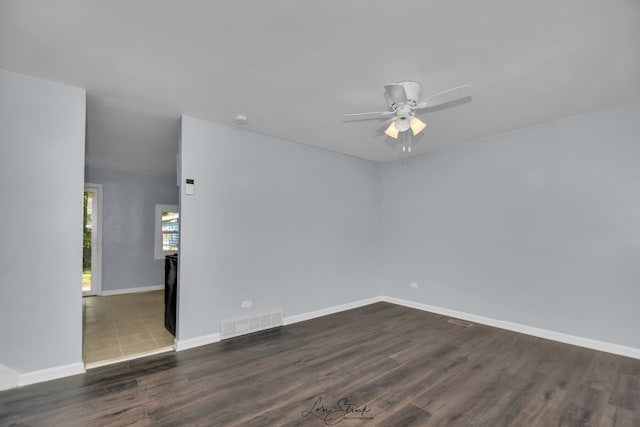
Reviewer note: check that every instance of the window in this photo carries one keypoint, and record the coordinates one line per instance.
(167, 230)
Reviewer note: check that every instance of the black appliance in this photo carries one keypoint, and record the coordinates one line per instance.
(170, 292)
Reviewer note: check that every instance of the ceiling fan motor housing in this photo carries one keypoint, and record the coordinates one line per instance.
(412, 89)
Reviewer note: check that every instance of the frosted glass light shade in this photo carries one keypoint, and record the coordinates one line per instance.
(403, 123)
(417, 125)
(392, 131)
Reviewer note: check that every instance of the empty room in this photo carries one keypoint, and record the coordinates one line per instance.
(276, 213)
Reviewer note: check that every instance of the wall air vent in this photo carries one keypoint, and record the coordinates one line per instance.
(246, 325)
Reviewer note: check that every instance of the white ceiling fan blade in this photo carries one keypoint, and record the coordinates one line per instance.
(396, 92)
(372, 115)
(445, 97)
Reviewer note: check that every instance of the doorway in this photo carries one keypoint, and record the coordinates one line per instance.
(123, 327)
(91, 240)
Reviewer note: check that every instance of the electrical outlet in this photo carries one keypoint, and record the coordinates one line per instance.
(413, 285)
(245, 304)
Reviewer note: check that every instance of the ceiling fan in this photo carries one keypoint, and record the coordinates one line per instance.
(404, 102)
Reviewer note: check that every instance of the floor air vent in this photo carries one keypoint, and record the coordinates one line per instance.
(460, 323)
(247, 325)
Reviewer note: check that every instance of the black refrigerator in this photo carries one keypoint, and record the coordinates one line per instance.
(170, 292)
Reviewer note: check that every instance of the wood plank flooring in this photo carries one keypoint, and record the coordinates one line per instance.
(379, 365)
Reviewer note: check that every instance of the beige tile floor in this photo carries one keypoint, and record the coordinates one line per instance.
(123, 327)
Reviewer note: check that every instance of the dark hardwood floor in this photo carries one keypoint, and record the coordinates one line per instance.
(379, 365)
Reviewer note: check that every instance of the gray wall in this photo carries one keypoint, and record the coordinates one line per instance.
(539, 226)
(128, 217)
(42, 127)
(282, 224)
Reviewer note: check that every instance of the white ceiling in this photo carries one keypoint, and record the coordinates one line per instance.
(294, 67)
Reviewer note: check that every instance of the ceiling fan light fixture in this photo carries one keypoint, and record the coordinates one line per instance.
(404, 103)
(392, 131)
(417, 126)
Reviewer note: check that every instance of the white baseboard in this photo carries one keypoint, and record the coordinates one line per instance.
(330, 310)
(50, 374)
(523, 329)
(197, 341)
(132, 290)
(214, 338)
(510, 326)
(8, 378)
(607, 347)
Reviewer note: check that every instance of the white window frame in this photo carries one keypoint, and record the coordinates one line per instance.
(158, 253)
(96, 252)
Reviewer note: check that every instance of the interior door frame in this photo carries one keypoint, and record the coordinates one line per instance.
(96, 252)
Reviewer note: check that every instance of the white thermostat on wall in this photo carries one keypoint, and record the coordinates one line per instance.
(190, 186)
